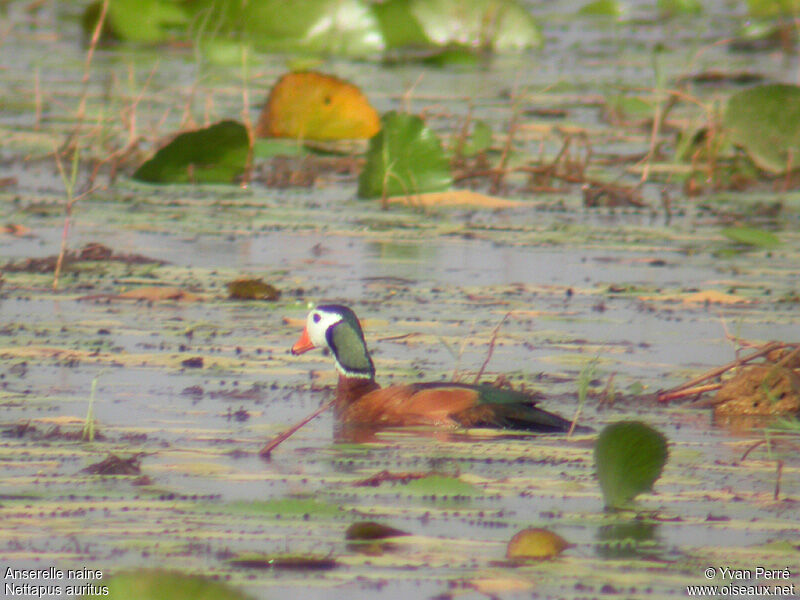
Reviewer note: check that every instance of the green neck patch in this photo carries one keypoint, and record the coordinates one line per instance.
(346, 341)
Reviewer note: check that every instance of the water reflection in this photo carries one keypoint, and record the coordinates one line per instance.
(629, 539)
(393, 251)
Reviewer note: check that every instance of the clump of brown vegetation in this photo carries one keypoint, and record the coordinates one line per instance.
(769, 387)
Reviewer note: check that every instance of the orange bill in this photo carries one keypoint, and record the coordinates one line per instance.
(303, 344)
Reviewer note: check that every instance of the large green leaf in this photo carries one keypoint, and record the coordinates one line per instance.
(405, 157)
(765, 121)
(343, 27)
(500, 25)
(629, 457)
(216, 154)
(147, 584)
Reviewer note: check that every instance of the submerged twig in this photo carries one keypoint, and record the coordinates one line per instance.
(692, 391)
(285, 435)
(751, 448)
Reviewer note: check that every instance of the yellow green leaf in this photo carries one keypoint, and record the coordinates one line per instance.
(535, 544)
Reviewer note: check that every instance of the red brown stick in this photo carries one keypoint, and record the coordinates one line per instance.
(665, 395)
(285, 435)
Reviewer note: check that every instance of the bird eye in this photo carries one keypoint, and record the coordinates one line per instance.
(316, 317)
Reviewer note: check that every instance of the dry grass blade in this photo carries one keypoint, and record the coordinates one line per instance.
(491, 348)
(98, 28)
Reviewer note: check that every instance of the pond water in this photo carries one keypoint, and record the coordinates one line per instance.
(581, 285)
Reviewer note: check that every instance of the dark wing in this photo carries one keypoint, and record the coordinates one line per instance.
(496, 407)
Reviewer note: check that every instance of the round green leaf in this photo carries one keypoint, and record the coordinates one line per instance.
(765, 121)
(750, 236)
(216, 154)
(629, 457)
(146, 584)
(404, 158)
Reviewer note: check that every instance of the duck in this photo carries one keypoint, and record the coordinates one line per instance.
(361, 401)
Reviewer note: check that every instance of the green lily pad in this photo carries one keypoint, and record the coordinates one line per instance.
(405, 157)
(674, 8)
(602, 8)
(399, 26)
(270, 147)
(629, 457)
(750, 236)
(146, 584)
(455, 56)
(286, 507)
(148, 21)
(765, 121)
(216, 154)
(341, 27)
(499, 25)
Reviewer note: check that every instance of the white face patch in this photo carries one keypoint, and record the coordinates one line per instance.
(317, 323)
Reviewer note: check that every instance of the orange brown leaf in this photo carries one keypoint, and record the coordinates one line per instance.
(314, 106)
(160, 294)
